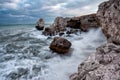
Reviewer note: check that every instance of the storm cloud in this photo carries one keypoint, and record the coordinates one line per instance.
(29, 11)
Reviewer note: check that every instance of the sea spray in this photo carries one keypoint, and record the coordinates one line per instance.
(25, 54)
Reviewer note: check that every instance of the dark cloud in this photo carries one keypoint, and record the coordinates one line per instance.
(29, 11)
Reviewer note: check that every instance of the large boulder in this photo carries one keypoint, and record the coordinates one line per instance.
(109, 15)
(40, 24)
(105, 63)
(60, 45)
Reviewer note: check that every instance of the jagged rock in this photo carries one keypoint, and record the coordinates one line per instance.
(105, 63)
(84, 22)
(49, 31)
(40, 24)
(60, 45)
(89, 21)
(74, 23)
(58, 26)
(109, 15)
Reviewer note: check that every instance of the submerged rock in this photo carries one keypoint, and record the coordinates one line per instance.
(21, 72)
(60, 45)
(40, 24)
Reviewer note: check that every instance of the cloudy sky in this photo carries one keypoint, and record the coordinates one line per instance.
(29, 11)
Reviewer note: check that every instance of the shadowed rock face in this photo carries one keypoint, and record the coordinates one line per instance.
(83, 22)
(40, 24)
(109, 15)
(60, 45)
(57, 27)
(105, 63)
(49, 31)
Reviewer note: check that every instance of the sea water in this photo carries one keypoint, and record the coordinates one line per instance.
(25, 53)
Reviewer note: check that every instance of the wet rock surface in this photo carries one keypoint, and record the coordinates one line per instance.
(105, 63)
(40, 24)
(60, 45)
(109, 15)
(83, 23)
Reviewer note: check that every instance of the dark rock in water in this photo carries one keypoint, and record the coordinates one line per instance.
(61, 33)
(49, 32)
(19, 73)
(57, 27)
(71, 31)
(40, 24)
(60, 45)
(83, 22)
(39, 27)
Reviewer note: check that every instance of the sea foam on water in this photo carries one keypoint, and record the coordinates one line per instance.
(25, 54)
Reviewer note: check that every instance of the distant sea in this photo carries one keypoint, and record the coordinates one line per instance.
(25, 53)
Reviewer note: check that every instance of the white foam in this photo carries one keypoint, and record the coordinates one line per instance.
(53, 66)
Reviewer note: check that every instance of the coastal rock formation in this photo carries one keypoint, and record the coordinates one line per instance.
(105, 63)
(84, 22)
(60, 45)
(57, 27)
(60, 24)
(49, 31)
(109, 15)
(40, 24)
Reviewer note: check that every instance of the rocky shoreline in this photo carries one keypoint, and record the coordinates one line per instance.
(60, 25)
(105, 63)
(66, 26)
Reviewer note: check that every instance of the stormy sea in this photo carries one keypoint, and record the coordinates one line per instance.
(25, 53)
